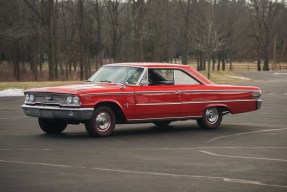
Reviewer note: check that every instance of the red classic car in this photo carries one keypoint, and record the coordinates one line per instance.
(138, 93)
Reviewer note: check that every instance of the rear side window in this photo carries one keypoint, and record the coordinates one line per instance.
(182, 78)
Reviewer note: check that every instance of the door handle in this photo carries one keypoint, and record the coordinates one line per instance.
(177, 92)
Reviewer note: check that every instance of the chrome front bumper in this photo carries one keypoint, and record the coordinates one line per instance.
(51, 112)
(258, 104)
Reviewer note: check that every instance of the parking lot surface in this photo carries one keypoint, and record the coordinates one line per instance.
(247, 153)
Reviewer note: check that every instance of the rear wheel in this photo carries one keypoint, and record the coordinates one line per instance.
(52, 126)
(211, 119)
(102, 123)
(162, 123)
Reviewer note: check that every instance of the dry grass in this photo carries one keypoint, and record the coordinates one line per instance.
(25, 85)
(224, 77)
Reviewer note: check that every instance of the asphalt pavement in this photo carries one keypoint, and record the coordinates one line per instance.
(247, 153)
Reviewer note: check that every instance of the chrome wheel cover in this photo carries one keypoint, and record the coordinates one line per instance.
(103, 121)
(212, 115)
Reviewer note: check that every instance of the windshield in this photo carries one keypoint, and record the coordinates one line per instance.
(117, 75)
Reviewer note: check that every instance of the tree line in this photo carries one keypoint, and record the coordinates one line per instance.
(80, 35)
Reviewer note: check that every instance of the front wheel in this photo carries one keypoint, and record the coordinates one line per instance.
(102, 123)
(52, 126)
(211, 119)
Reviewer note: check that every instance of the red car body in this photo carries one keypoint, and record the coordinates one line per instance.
(160, 93)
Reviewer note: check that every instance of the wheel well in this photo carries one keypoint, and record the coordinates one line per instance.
(223, 109)
(120, 117)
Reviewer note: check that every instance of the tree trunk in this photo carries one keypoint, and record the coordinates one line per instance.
(258, 64)
(16, 65)
(208, 65)
(266, 59)
(99, 44)
(52, 49)
(197, 61)
(230, 62)
(223, 60)
(218, 61)
(185, 33)
(213, 62)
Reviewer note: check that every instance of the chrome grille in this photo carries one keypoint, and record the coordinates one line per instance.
(50, 98)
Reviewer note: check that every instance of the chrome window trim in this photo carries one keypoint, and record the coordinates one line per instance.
(141, 77)
(174, 69)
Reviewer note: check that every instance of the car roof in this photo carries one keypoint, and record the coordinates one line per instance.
(195, 73)
(149, 65)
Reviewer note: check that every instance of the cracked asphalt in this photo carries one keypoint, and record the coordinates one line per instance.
(247, 153)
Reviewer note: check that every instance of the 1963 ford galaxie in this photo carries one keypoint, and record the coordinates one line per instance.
(138, 93)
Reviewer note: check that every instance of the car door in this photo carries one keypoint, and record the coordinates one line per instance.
(158, 97)
(189, 94)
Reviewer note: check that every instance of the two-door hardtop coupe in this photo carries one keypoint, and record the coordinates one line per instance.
(138, 93)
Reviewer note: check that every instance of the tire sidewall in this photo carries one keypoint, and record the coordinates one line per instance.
(204, 123)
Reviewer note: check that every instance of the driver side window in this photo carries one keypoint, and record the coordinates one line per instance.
(161, 77)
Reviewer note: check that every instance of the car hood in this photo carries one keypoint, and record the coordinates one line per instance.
(78, 88)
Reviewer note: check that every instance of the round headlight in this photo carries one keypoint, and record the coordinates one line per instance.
(27, 97)
(70, 99)
(32, 98)
(76, 100)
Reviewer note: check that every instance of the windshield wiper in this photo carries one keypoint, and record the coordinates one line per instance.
(106, 81)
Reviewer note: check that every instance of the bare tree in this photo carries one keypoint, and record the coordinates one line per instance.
(113, 7)
(262, 15)
(207, 38)
(138, 13)
(186, 28)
